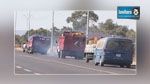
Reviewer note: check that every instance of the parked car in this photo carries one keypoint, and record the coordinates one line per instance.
(114, 50)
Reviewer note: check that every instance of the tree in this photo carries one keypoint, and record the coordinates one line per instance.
(40, 31)
(131, 34)
(79, 19)
(109, 25)
(121, 31)
(65, 29)
(109, 28)
(17, 39)
(23, 39)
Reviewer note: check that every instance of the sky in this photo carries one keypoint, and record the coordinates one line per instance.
(104, 15)
(43, 19)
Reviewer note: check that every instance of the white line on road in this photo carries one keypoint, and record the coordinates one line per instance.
(37, 73)
(108, 72)
(27, 70)
(19, 67)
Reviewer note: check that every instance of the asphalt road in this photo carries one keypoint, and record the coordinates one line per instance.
(37, 64)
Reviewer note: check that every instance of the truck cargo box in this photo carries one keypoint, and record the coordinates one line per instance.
(71, 44)
(38, 44)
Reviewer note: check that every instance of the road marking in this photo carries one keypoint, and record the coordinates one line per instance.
(27, 70)
(74, 65)
(37, 73)
(19, 67)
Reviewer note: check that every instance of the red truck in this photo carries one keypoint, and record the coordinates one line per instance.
(71, 44)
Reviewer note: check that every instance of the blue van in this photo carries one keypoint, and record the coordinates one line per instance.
(114, 50)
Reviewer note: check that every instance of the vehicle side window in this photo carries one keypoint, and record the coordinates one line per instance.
(100, 44)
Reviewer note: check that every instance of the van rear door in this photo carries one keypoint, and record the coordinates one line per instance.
(119, 49)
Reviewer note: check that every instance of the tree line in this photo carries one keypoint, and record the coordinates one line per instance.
(79, 22)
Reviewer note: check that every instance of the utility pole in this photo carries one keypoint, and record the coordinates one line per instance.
(15, 20)
(15, 24)
(52, 32)
(87, 29)
(29, 16)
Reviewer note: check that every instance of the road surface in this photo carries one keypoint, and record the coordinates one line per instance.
(37, 64)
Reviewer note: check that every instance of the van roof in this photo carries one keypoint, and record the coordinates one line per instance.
(37, 36)
(116, 38)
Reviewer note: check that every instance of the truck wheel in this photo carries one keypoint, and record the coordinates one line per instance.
(97, 63)
(30, 51)
(23, 50)
(86, 57)
(61, 54)
(87, 60)
(76, 57)
(79, 56)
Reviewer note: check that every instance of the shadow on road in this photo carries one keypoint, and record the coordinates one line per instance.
(117, 66)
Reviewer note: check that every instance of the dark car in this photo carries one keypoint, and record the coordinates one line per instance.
(114, 50)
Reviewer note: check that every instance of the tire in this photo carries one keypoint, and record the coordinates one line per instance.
(59, 54)
(30, 51)
(96, 64)
(79, 55)
(86, 56)
(121, 66)
(87, 60)
(77, 58)
(24, 50)
(128, 66)
(101, 61)
(101, 64)
(62, 55)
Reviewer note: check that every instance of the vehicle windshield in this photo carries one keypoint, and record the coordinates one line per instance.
(122, 44)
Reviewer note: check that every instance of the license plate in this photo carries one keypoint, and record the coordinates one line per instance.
(118, 55)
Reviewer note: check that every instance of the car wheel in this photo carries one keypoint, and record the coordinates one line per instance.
(128, 66)
(101, 63)
(121, 66)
